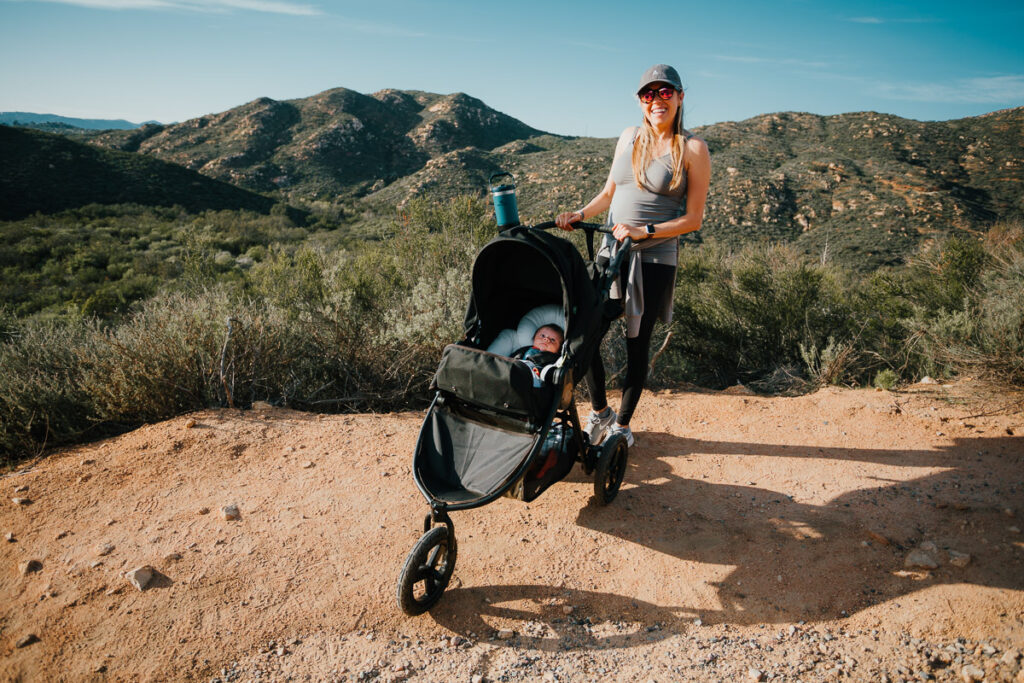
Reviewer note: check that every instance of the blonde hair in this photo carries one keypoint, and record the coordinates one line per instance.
(646, 142)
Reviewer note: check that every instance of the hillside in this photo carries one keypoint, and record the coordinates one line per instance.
(872, 187)
(44, 172)
(338, 142)
(755, 538)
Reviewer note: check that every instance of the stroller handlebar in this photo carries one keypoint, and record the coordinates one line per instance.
(593, 227)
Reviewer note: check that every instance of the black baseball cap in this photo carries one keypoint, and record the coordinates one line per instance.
(660, 73)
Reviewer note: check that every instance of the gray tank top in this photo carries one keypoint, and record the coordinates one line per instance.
(655, 204)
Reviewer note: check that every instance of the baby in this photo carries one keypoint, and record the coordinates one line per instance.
(547, 343)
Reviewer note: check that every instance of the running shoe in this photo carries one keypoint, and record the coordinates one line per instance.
(597, 425)
(625, 431)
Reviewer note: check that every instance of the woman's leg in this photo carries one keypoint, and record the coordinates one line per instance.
(595, 382)
(658, 281)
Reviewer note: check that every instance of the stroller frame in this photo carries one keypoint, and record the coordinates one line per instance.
(430, 564)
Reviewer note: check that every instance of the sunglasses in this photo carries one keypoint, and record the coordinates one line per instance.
(666, 93)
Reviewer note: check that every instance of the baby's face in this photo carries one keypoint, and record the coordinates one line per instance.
(547, 339)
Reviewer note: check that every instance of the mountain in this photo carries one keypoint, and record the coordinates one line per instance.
(46, 172)
(28, 119)
(338, 142)
(866, 188)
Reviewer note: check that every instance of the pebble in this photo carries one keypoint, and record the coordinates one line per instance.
(230, 512)
(755, 675)
(204, 511)
(505, 634)
(21, 501)
(567, 609)
(1013, 529)
(918, 559)
(140, 577)
(21, 489)
(477, 678)
(306, 465)
(30, 566)
(928, 547)
(927, 380)
(9, 537)
(88, 461)
(103, 549)
(959, 559)
(971, 673)
(172, 557)
(190, 423)
(1010, 657)
(27, 640)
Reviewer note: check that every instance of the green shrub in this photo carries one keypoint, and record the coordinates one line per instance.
(886, 379)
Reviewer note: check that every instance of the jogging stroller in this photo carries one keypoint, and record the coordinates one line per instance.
(489, 430)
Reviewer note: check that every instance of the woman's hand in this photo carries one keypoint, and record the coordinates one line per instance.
(565, 220)
(637, 232)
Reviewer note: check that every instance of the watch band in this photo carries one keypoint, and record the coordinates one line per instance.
(650, 229)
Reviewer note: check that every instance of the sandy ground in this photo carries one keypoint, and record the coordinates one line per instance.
(755, 538)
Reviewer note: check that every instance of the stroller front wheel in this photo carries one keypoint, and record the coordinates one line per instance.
(611, 468)
(427, 571)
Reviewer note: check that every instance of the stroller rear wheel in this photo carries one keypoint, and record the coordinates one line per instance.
(427, 571)
(611, 468)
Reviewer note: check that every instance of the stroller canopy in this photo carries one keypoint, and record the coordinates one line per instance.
(524, 268)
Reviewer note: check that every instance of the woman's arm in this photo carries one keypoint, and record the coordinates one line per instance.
(600, 203)
(698, 178)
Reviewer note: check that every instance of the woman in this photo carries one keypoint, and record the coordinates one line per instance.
(656, 191)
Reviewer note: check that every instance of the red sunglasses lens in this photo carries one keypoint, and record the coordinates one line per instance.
(647, 96)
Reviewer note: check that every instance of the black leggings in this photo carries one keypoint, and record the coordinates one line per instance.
(658, 281)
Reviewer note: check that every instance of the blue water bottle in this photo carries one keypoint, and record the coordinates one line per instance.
(504, 195)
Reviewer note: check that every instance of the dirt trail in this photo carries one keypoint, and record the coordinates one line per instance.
(755, 538)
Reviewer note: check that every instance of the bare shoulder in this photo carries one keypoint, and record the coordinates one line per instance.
(624, 139)
(695, 143)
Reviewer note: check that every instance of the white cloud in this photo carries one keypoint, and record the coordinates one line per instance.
(271, 6)
(991, 89)
(769, 60)
(898, 20)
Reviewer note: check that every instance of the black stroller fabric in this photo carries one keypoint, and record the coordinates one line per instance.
(491, 381)
(459, 460)
(522, 269)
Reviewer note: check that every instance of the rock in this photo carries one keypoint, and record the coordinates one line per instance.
(30, 566)
(21, 489)
(927, 380)
(918, 559)
(755, 675)
(88, 461)
(172, 557)
(25, 641)
(971, 673)
(203, 511)
(190, 423)
(261, 405)
(230, 512)
(103, 549)
(698, 622)
(84, 478)
(21, 501)
(140, 577)
(1010, 657)
(9, 537)
(928, 547)
(960, 560)
(567, 609)
(506, 634)
(1013, 529)
(306, 465)
(477, 678)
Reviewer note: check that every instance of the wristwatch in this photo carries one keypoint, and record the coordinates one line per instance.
(650, 229)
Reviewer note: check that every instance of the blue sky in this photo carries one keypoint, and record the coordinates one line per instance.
(564, 67)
